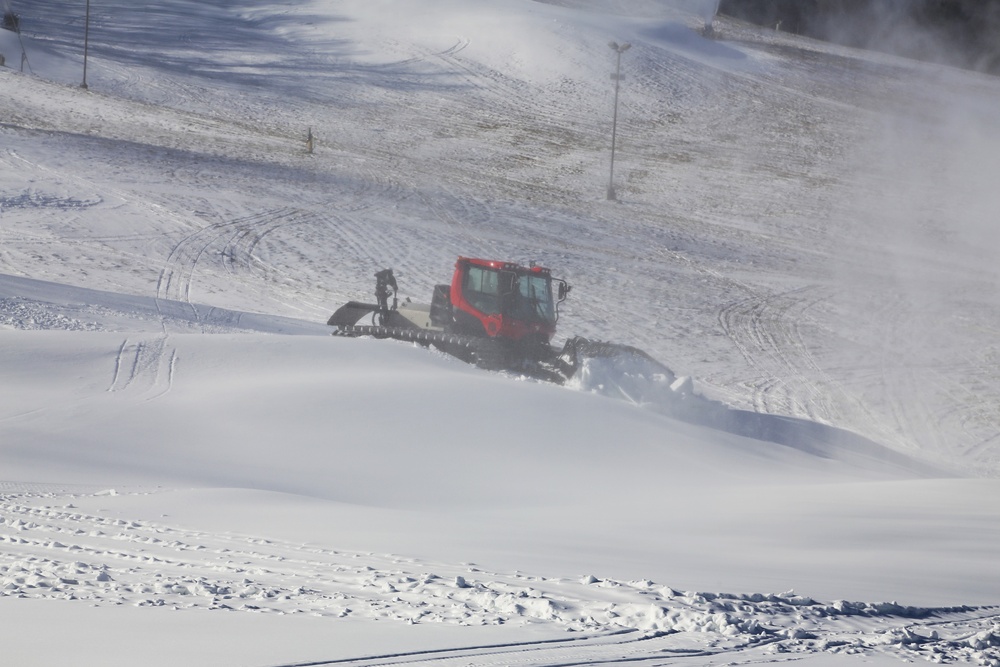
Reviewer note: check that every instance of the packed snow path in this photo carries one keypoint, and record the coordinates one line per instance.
(51, 548)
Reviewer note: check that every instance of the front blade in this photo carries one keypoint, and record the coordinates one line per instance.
(350, 313)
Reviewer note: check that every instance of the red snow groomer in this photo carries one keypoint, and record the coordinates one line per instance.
(498, 315)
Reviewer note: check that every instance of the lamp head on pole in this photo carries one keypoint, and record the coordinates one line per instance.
(620, 48)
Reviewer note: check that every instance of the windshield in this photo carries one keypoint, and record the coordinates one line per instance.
(526, 296)
(533, 299)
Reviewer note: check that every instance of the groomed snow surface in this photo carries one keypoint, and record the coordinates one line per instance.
(194, 472)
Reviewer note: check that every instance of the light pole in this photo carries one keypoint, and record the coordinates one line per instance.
(617, 76)
(86, 40)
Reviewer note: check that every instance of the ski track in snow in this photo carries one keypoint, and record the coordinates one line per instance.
(773, 325)
(233, 242)
(146, 366)
(53, 550)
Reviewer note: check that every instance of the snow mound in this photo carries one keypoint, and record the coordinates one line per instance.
(38, 305)
(633, 376)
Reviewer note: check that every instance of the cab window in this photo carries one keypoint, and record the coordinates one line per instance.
(481, 288)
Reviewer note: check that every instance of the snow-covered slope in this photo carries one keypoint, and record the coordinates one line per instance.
(804, 230)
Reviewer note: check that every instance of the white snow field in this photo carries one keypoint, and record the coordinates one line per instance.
(194, 472)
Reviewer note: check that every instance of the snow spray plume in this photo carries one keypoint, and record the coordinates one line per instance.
(921, 272)
(706, 9)
(961, 33)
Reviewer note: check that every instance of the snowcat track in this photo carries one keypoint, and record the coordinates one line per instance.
(483, 352)
(491, 354)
